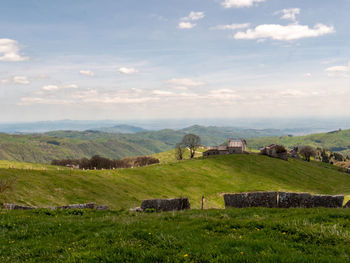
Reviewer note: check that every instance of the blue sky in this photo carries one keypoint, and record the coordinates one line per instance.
(131, 59)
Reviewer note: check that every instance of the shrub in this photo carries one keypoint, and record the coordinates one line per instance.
(280, 149)
(307, 152)
(98, 162)
(6, 184)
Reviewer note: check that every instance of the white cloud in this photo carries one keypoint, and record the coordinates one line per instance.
(21, 80)
(285, 33)
(293, 93)
(230, 27)
(9, 51)
(71, 86)
(289, 14)
(194, 16)
(4, 81)
(186, 82)
(308, 75)
(186, 25)
(239, 3)
(50, 88)
(87, 73)
(162, 93)
(38, 100)
(339, 71)
(128, 71)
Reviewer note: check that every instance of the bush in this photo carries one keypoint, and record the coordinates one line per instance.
(98, 162)
(280, 149)
(307, 152)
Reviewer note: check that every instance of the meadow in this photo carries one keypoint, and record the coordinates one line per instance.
(232, 235)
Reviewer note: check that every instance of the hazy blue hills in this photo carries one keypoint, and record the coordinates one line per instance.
(122, 128)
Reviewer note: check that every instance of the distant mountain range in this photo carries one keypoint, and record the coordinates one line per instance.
(288, 126)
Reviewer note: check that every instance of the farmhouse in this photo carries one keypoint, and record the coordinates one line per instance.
(232, 147)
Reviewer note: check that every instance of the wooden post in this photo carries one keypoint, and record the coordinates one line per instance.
(202, 202)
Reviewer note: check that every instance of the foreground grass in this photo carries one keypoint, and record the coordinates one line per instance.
(234, 235)
(125, 188)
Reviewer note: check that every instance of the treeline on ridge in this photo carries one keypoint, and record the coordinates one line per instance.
(97, 162)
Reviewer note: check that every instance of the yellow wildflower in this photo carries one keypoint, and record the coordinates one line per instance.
(186, 255)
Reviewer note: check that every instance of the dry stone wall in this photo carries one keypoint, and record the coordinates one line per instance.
(74, 206)
(289, 200)
(328, 201)
(283, 200)
(16, 207)
(166, 204)
(252, 199)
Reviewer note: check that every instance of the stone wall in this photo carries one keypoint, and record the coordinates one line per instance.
(16, 207)
(283, 200)
(166, 204)
(252, 199)
(74, 206)
(328, 201)
(289, 200)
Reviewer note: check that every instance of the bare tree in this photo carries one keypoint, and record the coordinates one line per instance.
(307, 152)
(179, 151)
(191, 141)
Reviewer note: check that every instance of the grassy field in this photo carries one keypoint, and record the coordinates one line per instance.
(126, 188)
(233, 235)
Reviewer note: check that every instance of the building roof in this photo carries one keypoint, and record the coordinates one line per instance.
(236, 143)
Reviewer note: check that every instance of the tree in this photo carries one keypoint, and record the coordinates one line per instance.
(179, 151)
(307, 152)
(324, 156)
(191, 141)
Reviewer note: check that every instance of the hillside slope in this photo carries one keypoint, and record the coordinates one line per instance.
(43, 148)
(125, 188)
(337, 141)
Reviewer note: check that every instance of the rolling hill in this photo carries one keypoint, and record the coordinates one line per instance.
(125, 188)
(336, 141)
(44, 147)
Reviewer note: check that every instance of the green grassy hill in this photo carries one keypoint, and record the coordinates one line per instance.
(337, 141)
(43, 148)
(125, 188)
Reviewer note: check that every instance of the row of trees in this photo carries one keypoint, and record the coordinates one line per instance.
(321, 154)
(98, 162)
(190, 142)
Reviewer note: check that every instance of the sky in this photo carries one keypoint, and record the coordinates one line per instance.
(173, 59)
